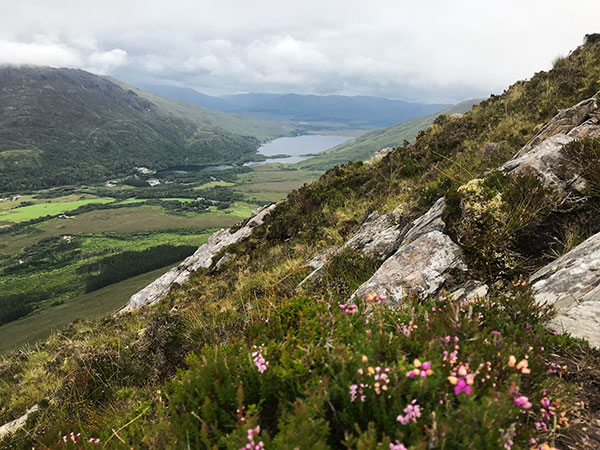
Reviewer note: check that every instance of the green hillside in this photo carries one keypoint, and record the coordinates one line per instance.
(242, 357)
(67, 126)
(362, 147)
(233, 123)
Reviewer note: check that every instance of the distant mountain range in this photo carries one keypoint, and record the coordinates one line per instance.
(65, 126)
(362, 147)
(352, 112)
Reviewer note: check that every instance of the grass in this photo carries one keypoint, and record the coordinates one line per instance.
(272, 182)
(25, 213)
(125, 220)
(193, 377)
(40, 325)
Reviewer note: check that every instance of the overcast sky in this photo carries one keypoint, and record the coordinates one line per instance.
(427, 50)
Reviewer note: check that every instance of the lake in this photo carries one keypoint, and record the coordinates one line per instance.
(296, 148)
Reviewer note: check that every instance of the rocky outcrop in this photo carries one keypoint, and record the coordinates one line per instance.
(572, 285)
(470, 290)
(580, 116)
(379, 155)
(202, 258)
(11, 427)
(378, 237)
(544, 153)
(419, 267)
(422, 262)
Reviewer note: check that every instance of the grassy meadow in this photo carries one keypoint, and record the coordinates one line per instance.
(53, 242)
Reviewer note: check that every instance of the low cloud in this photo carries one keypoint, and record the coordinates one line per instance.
(428, 51)
(45, 54)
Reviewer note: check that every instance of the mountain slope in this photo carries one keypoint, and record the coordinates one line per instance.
(362, 147)
(62, 126)
(241, 356)
(190, 95)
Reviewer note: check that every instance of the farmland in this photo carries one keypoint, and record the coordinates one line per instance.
(54, 243)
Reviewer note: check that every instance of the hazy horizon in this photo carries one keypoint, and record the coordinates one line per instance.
(420, 53)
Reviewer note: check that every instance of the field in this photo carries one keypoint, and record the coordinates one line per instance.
(49, 247)
(86, 306)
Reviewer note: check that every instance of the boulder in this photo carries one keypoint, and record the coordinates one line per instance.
(11, 427)
(428, 222)
(379, 236)
(202, 258)
(422, 262)
(572, 285)
(470, 290)
(565, 121)
(544, 153)
(418, 267)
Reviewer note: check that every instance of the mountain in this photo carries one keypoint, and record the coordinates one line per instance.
(64, 126)
(250, 100)
(359, 111)
(362, 147)
(448, 288)
(314, 111)
(190, 95)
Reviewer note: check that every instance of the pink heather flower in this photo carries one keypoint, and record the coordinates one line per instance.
(382, 298)
(350, 309)
(260, 362)
(462, 386)
(495, 333)
(411, 413)
(252, 445)
(541, 426)
(353, 390)
(508, 444)
(397, 446)
(94, 441)
(75, 437)
(421, 369)
(522, 401)
(252, 432)
(462, 380)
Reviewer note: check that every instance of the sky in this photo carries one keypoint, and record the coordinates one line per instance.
(427, 50)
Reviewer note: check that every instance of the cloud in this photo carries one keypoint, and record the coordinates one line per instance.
(46, 54)
(433, 51)
(104, 62)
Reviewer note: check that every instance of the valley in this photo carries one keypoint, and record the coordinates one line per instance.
(55, 243)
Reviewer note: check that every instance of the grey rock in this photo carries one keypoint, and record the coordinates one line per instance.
(11, 427)
(547, 160)
(572, 285)
(318, 263)
(565, 121)
(379, 236)
(202, 258)
(470, 290)
(378, 156)
(544, 153)
(430, 221)
(418, 267)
